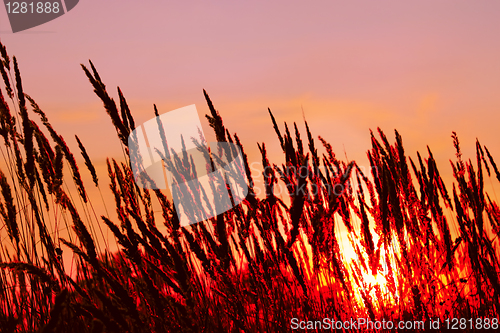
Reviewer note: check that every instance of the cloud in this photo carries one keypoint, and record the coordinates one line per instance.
(78, 116)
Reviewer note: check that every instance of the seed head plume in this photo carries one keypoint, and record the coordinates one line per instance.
(88, 162)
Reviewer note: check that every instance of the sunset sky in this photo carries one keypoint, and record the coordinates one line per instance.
(426, 68)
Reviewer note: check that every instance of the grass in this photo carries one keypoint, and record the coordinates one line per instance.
(423, 250)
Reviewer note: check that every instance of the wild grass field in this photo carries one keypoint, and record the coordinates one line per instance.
(425, 250)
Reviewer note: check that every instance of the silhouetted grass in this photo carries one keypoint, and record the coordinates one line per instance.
(433, 250)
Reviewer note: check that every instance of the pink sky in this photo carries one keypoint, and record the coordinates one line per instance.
(426, 68)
